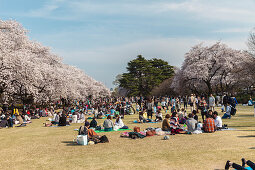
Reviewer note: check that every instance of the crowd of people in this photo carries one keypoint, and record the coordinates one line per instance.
(67, 111)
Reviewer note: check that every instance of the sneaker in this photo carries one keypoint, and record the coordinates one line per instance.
(227, 165)
(243, 162)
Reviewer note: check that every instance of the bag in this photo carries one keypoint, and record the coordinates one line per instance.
(150, 133)
(116, 128)
(136, 129)
(98, 128)
(83, 131)
(104, 139)
(82, 139)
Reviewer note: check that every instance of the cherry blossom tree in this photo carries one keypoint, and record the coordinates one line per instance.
(207, 68)
(29, 70)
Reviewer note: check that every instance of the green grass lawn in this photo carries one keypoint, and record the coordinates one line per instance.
(39, 147)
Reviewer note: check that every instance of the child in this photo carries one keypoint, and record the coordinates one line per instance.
(159, 116)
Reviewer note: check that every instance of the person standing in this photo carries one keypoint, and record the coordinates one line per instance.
(149, 108)
(211, 102)
(192, 102)
(203, 107)
(185, 102)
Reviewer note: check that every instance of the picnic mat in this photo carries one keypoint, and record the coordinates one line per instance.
(144, 122)
(248, 168)
(99, 131)
(57, 126)
(93, 117)
(228, 129)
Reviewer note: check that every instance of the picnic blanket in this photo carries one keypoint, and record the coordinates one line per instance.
(93, 117)
(58, 126)
(248, 168)
(99, 131)
(144, 122)
(228, 129)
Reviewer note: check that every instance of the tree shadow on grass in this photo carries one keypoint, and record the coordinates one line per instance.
(233, 126)
(252, 148)
(248, 136)
(250, 115)
(70, 143)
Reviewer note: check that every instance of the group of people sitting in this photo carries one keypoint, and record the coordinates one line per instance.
(177, 121)
(108, 124)
(9, 118)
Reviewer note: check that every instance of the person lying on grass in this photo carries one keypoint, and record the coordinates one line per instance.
(239, 167)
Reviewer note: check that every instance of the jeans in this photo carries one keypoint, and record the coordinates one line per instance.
(107, 129)
(225, 116)
(239, 167)
(185, 105)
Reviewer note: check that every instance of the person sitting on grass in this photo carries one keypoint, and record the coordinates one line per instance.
(166, 124)
(217, 120)
(93, 123)
(159, 116)
(141, 117)
(209, 125)
(56, 119)
(174, 124)
(3, 122)
(228, 111)
(62, 120)
(239, 167)
(194, 113)
(108, 124)
(91, 132)
(181, 116)
(120, 123)
(191, 123)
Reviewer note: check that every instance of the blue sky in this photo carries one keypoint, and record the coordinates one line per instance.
(101, 36)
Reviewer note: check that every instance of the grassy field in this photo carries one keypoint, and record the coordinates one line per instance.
(38, 147)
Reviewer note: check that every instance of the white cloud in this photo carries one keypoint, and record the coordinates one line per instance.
(234, 30)
(228, 10)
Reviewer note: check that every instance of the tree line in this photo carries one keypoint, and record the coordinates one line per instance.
(216, 69)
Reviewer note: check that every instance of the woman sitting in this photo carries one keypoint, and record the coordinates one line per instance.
(141, 118)
(108, 125)
(120, 123)
(166, 124)
(174, 124)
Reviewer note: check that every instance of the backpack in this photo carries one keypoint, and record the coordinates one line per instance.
(83, 131)
(104, 139)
